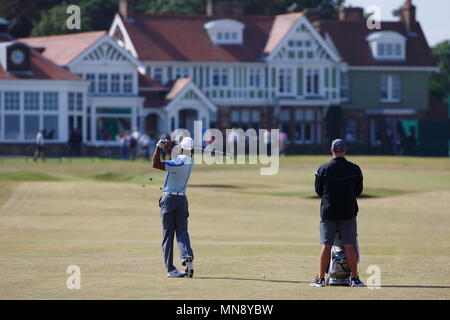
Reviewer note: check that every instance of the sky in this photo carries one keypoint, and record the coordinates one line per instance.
(433, 15)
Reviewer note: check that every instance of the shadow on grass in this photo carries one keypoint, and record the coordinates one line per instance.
(305, 282)
(250, 279)
(221, 186)
(415, 286)
(369, 193)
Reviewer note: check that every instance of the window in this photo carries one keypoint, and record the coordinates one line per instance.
(12, 100)
(304, 125)
(301, 49)
(91, 78)
(102, 82)
(71, 101)
(115, 83)
(128, 83)
(285, 81)
(31, 126)
(31, 101)
(390, 88)
(220, 77)
(345, 87)
(351, 130)
(387, 45)
(12, 127)
(158, 74)
(79, 102)
(112, 122)
(245, 119)
(51, 127)
(254, 78)
(312, 82)
(50, 101)
(224, 77)
(181, 72)
(285, 118)
(225, 31)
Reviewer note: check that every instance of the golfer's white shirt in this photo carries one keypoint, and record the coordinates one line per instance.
(178, 173)
(40, 139)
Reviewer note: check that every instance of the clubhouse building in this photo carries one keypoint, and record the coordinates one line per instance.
(226, 69)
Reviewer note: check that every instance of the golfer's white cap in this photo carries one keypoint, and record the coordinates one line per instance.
(187, 143)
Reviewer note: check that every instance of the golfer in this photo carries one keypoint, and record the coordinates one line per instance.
(174, 205)
(338, 183)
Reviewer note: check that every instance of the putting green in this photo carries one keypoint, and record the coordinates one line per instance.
(102, 215)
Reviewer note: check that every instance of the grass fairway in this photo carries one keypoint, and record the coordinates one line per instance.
(103, 216)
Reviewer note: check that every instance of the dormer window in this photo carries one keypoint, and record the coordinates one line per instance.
(387, 45)
(225, 31)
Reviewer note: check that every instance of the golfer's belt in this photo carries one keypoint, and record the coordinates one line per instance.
(173, 193)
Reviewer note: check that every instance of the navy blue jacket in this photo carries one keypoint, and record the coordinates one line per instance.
(338, 183)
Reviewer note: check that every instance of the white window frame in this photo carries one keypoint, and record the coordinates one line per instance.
(315, 90)
(344, 90)
(285, 81)
(390, 89)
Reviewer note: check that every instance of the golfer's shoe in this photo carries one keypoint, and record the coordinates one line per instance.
(189, 267)
(318, 282)
(175, 273)
(356, 283)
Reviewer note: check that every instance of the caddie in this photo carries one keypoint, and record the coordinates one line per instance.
(174, 205)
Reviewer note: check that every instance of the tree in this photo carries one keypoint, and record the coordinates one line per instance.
(440, 82)
(47, 17)
(53, 21)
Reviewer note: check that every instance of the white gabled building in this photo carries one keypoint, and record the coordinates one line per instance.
(162, 72)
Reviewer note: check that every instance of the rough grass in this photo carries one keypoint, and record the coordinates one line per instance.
(103, 216)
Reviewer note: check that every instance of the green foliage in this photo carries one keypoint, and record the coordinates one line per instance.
(53, 21)
(47, 17)
(170, 6)
(334, 121)
(440, 82)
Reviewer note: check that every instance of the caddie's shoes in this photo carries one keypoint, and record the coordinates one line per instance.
(175, 273)
(189, 267)
(317, 282)
(357, 283)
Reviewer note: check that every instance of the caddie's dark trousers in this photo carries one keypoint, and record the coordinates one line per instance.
(174, 219)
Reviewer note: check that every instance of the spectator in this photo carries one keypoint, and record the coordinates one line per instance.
(39, 146)
(134, 137)
(71, 143)
(283, 138)
(124, 143)
(144, 145)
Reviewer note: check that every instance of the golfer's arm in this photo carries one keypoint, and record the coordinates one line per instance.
(318, 185)
(359, 186)
(157, 163)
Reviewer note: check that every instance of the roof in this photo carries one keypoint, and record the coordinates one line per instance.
(41, 68)
(283, 23)
(177, 87)
(183, 38)
(158, 38)
(62, 49)
(147, 82)
(350, 40)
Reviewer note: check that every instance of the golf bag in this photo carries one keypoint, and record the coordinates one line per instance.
(338, 270)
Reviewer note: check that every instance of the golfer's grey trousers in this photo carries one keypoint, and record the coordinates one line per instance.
(174, 219)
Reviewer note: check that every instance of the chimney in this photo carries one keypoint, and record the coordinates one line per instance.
(351, 14)
(126, 8)
(407, 14)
